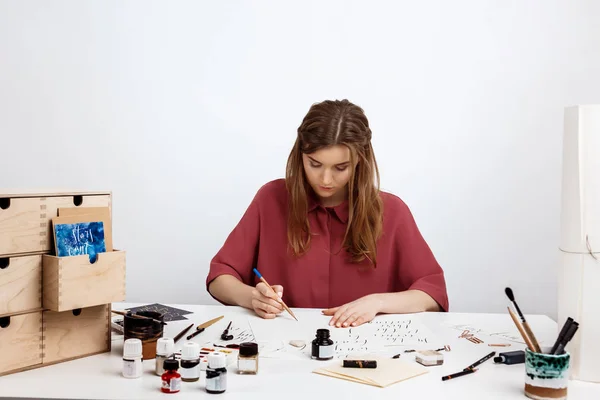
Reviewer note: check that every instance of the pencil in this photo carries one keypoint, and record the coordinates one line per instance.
(280, 300)
(520, 328)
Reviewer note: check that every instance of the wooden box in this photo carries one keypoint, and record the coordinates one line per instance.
(20, 342)
(20, 284)
(74, 282)
(25, 219)
(75, 333)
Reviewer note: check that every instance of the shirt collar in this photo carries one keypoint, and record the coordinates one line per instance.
(341, 210)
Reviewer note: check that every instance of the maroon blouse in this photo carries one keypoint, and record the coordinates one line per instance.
(324, 276)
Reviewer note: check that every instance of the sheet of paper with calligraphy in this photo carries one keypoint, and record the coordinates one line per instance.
(375, 337)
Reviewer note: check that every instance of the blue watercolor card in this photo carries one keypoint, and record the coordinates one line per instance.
(80, 238)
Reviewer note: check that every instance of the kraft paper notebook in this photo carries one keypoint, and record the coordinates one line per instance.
(388, 372)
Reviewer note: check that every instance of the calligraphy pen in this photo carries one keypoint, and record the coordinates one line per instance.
(180, 334)
(225, 335)
(280, 300)
(137, 316)
(203, 326)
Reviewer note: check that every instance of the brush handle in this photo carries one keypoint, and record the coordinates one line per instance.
(279, 299)
(520, 328)
(534, 342)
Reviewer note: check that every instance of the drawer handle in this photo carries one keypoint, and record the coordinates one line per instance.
(4, 322)
(4, 263)
(77, 311)
(78, 200)
(4, 203)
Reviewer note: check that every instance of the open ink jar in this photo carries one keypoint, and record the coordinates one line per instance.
(147, 330)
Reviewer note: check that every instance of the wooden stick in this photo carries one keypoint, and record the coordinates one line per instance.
(520, 328)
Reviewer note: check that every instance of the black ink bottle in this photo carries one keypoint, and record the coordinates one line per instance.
(322, 346)
(216, 373)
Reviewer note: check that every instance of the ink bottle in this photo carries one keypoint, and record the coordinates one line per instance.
(322, 346)
(164, 349)
(216, 373)
(170, 379)
(248, 358)
(132, 358)
(190, 362)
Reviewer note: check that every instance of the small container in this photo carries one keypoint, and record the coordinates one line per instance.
(248, 359)
(429, 358)
(132, 358)
(322, 346)
(164, 349)
(546, 375)
(170, 379)
(216, 373)
(190, 362)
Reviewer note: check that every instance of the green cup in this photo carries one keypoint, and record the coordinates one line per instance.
(546, 375)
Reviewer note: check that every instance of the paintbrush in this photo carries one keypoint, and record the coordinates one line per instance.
(279, 299)
(520, 328)
(534, 342)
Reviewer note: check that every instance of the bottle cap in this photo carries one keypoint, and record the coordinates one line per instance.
(171, 364)
(217, 360)
(165, 346)
(190, 351)
(322, 333)
(248, 349)
(132, 348)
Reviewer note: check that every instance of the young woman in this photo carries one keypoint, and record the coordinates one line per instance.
(328, 235)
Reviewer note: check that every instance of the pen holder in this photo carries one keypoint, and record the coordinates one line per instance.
(546, 375)
(147, 330)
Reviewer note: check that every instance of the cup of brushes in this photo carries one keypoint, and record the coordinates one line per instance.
(546, 369)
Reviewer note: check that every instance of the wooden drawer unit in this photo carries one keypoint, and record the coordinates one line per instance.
(20, 284)
(25, 219)
(73, 282)
(75, 333)
(20, 342)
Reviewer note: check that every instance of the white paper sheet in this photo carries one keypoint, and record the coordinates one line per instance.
(371, 338)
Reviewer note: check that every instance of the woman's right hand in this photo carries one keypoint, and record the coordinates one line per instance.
(264, 300)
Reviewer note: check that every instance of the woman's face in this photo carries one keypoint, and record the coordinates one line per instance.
(328, 171)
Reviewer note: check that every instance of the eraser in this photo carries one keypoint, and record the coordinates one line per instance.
(429, 358)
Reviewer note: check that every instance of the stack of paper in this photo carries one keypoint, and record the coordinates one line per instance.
(388, 372)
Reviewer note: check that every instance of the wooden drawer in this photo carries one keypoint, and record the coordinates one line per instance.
(75, 333)
(20, 284)
(73, 282)
(25, 222)
(20, 342)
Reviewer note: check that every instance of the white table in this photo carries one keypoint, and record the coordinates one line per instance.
(99, 377)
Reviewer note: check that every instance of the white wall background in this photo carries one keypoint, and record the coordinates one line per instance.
(185, 108)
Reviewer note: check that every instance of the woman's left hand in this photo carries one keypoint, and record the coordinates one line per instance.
(355, 313)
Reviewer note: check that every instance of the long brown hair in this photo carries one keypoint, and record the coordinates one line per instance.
(326, 124)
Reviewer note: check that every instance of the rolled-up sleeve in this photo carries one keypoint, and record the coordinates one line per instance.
(418, 268)
(238, 254)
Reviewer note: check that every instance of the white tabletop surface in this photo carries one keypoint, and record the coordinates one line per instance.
(99, 377)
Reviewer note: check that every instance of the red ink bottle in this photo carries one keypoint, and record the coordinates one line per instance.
(171, 379)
